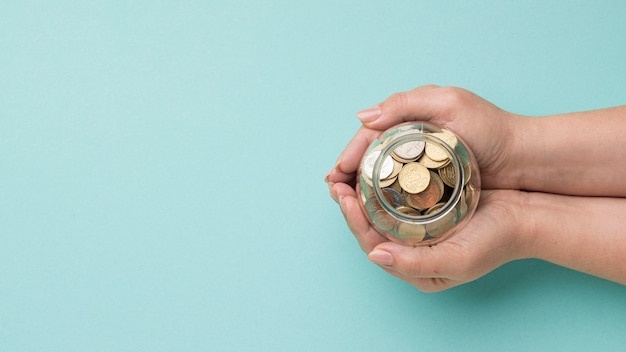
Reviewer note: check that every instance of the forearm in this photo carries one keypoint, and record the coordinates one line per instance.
(586, 234)
(578, 154)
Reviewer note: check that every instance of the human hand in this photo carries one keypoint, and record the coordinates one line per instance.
(553, 223)
(476, 250)
(494, 135)
(485, 243)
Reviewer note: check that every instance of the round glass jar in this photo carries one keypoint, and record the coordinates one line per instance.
(418, 184)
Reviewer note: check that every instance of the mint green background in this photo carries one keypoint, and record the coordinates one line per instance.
(161, 171)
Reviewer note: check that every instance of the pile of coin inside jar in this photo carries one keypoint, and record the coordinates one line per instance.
(424, 184)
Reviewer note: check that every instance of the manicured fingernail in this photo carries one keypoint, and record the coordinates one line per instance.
(339, 159)
(369, 115)
(380, 257)
(327, 175)
(333, 170)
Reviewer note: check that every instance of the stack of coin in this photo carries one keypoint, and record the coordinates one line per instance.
(417, 179)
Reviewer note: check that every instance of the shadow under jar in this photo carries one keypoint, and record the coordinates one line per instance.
(418, 184)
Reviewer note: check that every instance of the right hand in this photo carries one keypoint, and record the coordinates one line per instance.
(491, 133)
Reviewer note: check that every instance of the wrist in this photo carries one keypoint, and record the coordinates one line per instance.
(549, 216)
(524, 227)
(528, 151)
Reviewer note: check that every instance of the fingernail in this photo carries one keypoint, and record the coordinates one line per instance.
(333, 170)
(369, 115)
(339, 159)
(380, 257)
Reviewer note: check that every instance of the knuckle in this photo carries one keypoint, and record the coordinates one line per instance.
(413, 268)
(398, 100)
(453, 96)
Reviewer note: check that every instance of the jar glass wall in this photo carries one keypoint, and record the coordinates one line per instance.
(418, 184)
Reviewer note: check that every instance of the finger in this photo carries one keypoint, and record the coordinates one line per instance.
(434, 284)
(338, 190)
(348, 162)
(367, 237)
(440, 261)
(426, 103)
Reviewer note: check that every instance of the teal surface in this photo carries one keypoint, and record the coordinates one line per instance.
(162, 164)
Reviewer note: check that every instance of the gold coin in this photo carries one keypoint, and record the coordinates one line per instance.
(409, 201)
(440, 184)
(397, 166)
(435, 208)
(428, 197)
(414, 178)
(387, 182)
(411, 232)
(447, 137)
(408, 211)
(372, 205)
(431, 164)
(438, 228)
(467, 172)
(436, 152)
(383, 220)
(448, 175)
(396, 186)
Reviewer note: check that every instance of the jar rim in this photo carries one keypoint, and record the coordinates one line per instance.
(418, 135)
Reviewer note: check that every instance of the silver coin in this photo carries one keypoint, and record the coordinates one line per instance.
(410, 150)
(393, 197)
(370, 160)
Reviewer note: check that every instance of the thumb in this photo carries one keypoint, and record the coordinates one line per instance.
(417, 104)
(414, 262)
(425, 103)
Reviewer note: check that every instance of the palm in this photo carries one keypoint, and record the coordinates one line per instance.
(485, 243)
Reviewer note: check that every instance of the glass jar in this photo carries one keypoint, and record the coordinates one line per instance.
(418, 184)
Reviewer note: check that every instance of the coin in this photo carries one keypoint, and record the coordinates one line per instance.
(410, 150)
(396, 186)
(440, 184)
(447, 137)
(393, 197)
(372, 205)
(412, 232)
(399, 159)
(370, 160)
(429, 196)
(383, 220)
(440, 226)
(436, 152)
(397, 166)
(408, 211)
(467, 173)
(435, 208)
(414, 178)
(417, 179)
(448, 175)
(387, 182)
(431, 164)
